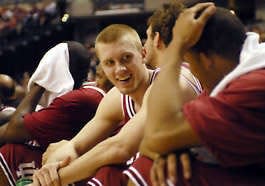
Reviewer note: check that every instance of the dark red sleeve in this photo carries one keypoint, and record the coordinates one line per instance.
(232, 125)
(64, 117)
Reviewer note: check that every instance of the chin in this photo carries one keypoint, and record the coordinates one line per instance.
(126, 91)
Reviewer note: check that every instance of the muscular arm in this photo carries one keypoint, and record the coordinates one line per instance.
(108, 116)
(161, 135)
(114, 150)
(14, 130)
(101, 126)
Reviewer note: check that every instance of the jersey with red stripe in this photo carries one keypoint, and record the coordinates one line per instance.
(105, 175)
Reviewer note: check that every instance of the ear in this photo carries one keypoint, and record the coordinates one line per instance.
(206, 60)
(157, 40)
(143, 55)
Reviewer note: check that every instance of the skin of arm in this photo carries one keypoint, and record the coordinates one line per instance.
(168, 130)
(114, 150)
(14, 130)
(97, 129)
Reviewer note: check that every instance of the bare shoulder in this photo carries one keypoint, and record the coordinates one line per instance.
(110, 106)
(189, 84)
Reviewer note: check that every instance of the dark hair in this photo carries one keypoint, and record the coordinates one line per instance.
(79, 62)
(163, 20)
(224, 34)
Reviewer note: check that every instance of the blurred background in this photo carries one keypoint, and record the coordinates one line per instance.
(28, 28)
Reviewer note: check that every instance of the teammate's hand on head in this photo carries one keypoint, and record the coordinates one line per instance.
(190, 24)
(48, 174)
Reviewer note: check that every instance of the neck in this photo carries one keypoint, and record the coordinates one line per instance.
(138, 95)
(226, 67)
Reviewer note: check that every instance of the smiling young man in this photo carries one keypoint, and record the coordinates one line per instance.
(121, 57)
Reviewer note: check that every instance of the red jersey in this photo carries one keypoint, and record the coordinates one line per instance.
(238, 114)
(62, 119)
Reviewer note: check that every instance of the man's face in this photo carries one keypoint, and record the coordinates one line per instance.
(123, 64)
(149, 49)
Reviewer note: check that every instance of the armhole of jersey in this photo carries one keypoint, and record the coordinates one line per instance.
(127, 106)
(95, 88)
(194, 83)
(122, 105)
(154, 74)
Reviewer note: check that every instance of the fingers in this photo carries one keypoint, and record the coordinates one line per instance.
(35, 181)
(55, 177)
(153, 176)
(65, 162)
(200, 6)
(157, 174)
(47, 175)
(186, 165)
(172, 168)
(161, 163)
(44, 158)
(208, 9)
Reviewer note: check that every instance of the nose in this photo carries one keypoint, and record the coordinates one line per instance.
(120, 68)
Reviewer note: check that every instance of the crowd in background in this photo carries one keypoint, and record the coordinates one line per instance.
(22, 20)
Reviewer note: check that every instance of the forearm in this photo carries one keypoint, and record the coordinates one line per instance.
(91, 134)
(14, 130)
(106, 153)
(30, 101)
(169, 138)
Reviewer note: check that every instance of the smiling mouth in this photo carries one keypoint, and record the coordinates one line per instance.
(124, 79)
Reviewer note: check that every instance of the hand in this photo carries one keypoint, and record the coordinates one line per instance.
(190, 24)
(48, 174)
(164, 170)
(58, 151)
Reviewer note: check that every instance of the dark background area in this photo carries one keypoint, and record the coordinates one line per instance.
(21, 52)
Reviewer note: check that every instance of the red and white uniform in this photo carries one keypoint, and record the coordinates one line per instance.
(239, 143)
(139, 171)
(62, 119)
(116, 175)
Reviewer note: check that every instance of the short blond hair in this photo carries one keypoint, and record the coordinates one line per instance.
(117, 32)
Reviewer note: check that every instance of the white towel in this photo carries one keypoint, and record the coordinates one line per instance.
(252, 57)
(53, 74)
